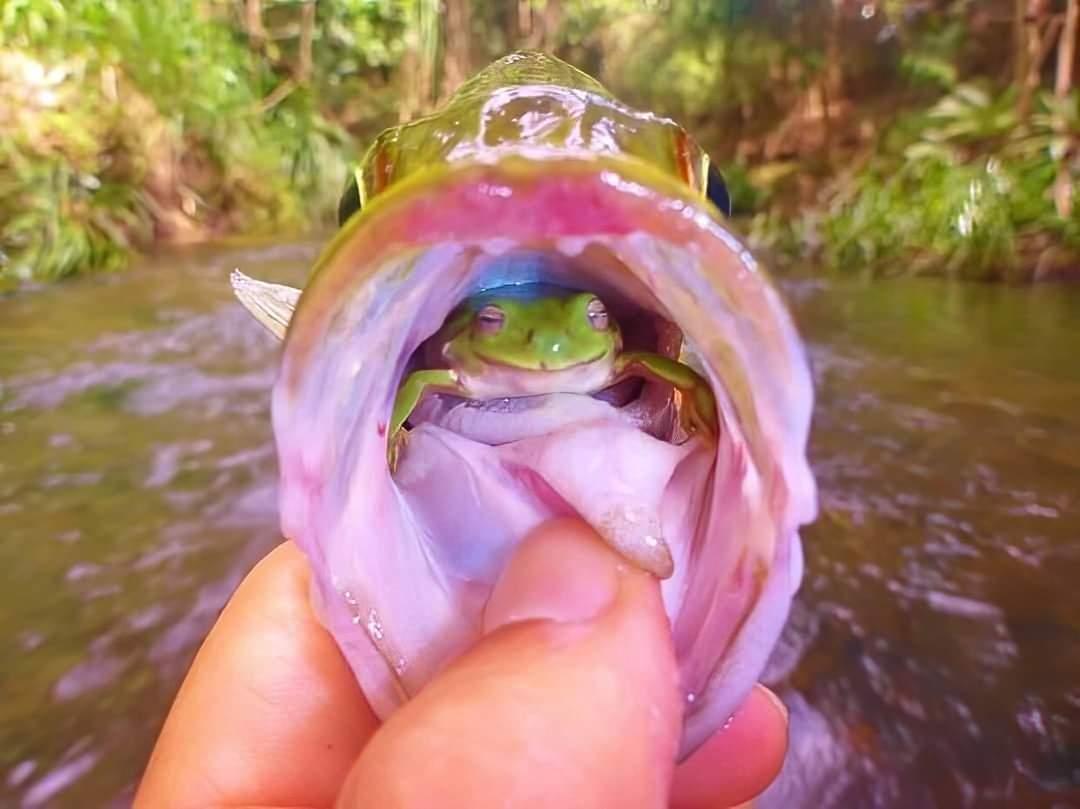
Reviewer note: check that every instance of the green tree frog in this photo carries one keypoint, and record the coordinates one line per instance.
(500, 345)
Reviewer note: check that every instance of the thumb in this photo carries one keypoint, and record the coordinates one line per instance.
(570, 699)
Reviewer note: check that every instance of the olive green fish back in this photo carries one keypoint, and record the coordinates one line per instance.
(532, 104)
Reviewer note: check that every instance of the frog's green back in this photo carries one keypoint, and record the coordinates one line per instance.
(528, 103)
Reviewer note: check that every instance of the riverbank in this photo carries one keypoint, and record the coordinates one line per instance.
(914, 149)
(96, 169)
(962, 188)
(125, 127)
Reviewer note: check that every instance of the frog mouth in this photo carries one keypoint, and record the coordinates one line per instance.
(404, 561)
(544, 367)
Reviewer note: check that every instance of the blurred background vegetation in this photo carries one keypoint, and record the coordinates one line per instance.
(888, 137)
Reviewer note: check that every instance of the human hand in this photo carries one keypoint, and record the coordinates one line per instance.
(569, 700)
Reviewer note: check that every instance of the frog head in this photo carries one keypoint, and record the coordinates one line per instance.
(556, 331)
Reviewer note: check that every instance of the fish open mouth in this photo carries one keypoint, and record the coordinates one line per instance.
(404, 559)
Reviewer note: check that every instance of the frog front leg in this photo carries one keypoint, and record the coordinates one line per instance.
(699, 405)
(410, 393)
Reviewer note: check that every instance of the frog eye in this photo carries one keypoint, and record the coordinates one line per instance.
(490, 319)
(597, 314)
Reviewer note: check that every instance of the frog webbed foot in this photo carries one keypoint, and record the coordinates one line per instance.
(394, 447)
(697, 413)
(412, 390)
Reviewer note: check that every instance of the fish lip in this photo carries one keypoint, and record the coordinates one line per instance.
(389, 221)
(565, 198)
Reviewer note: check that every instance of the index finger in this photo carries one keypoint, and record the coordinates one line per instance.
(270, 713)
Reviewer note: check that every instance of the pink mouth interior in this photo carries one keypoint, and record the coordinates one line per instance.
(404, 564)
(523, 460)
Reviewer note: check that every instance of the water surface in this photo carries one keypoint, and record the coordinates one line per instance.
(934, 656)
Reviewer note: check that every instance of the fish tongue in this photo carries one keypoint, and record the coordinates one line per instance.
(615, 477)
(476, 501)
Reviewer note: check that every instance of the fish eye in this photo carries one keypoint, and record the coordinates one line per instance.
(490, 319)
(717, 191)
(349, 202)
(597, 314)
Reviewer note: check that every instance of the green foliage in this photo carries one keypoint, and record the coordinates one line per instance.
(962, 189)
(172, 120)
(70, 220)
(930, 216)
(128, 122)
(972, 116)
(747, 196)
(929, 69)
(703, 62)
(930, 59)
(136, 119)
(358, 35)
(67, 199)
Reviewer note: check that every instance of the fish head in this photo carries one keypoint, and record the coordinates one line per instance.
(404, 558)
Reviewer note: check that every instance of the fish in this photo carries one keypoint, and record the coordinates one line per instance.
(533, 174)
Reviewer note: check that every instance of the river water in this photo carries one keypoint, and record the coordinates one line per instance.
(933, 658)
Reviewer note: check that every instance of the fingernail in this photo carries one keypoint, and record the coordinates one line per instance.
(775, 700)
(561, 572)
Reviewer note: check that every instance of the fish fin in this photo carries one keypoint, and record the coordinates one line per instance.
(270, 304)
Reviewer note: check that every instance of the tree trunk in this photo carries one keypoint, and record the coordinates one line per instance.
(832, 78)
(1067, 51)
(1063, 187)
(524, 19)
(544, 27)
(510, 22)
(409, 103)
(1041, 30)
(307, 39)
(418, 66)
(1020, 42)
(552, 22)
(458, 59)
(253, 23)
